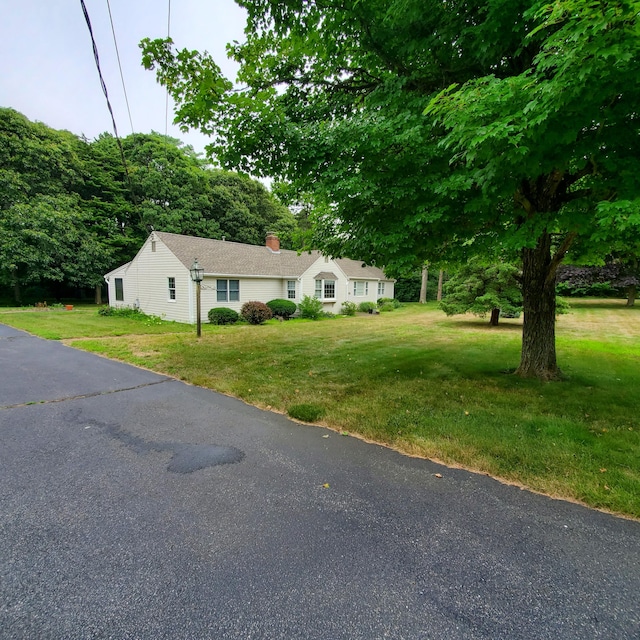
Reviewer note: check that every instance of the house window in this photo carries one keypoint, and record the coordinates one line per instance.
(119, 290)
(172, 288)
(380, 289)
(325, 289)
(153, 246)
(360, 288)
(291, 289)
(228, 290)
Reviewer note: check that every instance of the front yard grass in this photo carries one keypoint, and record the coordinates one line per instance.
(427, 385)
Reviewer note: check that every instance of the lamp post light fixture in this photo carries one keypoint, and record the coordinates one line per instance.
(197, 275)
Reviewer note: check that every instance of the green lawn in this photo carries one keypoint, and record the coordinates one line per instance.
(422, 383)
(83, 321)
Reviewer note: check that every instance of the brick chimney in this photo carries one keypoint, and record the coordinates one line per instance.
(273, 242)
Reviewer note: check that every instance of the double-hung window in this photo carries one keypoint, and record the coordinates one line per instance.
(330, 289)
(172, 289)
(380, 289)
(119, 290)
(325, 289)
(291, 289)
(228, 290)
(360, 288)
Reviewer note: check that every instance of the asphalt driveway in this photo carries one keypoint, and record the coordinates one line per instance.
(135, 506)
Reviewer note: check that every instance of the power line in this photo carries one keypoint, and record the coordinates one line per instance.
(124, 88)
(106, 95)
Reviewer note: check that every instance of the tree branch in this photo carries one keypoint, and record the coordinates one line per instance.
(559, 255)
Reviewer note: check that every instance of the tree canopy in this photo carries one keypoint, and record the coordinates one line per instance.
(424, 129)
(70, 212)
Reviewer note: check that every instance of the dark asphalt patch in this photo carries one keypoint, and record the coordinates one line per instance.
(186, 458)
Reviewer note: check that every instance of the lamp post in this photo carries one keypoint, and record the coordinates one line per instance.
(197, 275)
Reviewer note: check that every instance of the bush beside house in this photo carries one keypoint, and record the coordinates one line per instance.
(255, 312)
(222, 315)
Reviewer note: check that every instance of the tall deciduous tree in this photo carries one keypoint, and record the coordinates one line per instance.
(425, 128)
(70, 212)
(46, 231)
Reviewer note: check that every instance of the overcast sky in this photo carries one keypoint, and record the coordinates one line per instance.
(48, 71)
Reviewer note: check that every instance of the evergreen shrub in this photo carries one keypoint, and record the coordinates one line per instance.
(223, 315)
(282, 308)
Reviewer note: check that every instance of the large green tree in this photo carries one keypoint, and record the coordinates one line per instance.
(46, 231)
(167, 187)
(70, 211)
(426, 129)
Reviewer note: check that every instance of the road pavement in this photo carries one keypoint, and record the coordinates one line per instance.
(135, 506)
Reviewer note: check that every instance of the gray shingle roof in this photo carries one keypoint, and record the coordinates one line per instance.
(220, 257)
(326, 275)
(355, 269)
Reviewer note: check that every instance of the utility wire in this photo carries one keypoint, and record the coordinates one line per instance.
(106, 95)
(124, 88)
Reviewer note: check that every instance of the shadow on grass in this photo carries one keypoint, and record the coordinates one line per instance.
(484, 324)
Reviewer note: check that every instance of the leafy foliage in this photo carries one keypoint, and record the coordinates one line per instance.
(131, 314)
(480, 289)
(255, 312)
(310, 308)
(605, 280)
(119, 312)
(395, 304)
(223, 315)
(349, 308)
(366, 307)
(421, 128)
(282, 308)
(69, 213)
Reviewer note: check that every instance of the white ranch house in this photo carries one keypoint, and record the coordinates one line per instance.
(158, 281)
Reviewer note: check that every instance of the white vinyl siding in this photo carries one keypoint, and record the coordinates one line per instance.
(146, 284)
(260, 289)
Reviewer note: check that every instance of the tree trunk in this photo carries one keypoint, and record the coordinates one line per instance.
(631, 295)
(495, 316)
(538, 357)
(440, 281)
(98, 298)
(423, 286)
(17, 294)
